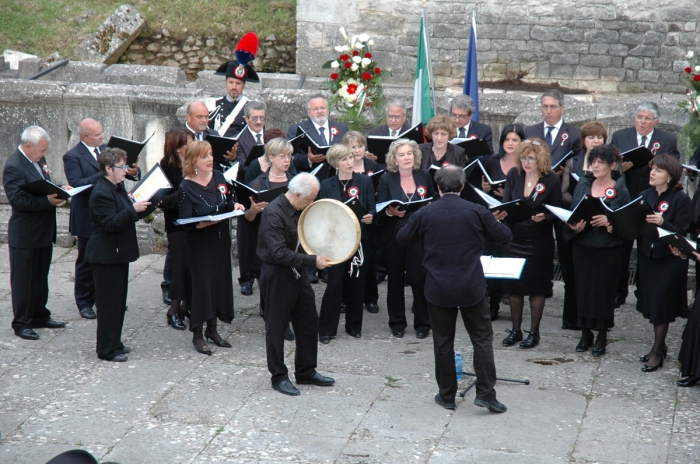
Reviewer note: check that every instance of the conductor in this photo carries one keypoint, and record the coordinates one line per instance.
(285, 287)
(455, 282)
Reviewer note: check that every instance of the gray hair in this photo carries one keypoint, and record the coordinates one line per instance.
(189, 106)
(450, 179)
(463, 102)
(314, 96)
(554, 93)
(303, 184)
(648, 106)
(396, 102)
(33, 135)
(254, 105)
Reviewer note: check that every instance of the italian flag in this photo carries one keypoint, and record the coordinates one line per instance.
(423, 110)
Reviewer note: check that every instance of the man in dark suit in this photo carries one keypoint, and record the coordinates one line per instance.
(561, 137)
(196, 121)
(322, 130)
(396, 124)
(461, 111)
(455, 282)
(31, 233)
(644, 132)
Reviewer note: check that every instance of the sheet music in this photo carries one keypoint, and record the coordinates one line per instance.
(151, 184)
(502, 268)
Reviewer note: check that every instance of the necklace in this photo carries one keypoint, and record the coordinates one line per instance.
(529, 184)
(275, 175)
(345, 184)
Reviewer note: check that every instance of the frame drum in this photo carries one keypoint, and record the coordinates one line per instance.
(329, 228)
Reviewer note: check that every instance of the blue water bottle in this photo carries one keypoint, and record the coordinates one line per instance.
(458, 365)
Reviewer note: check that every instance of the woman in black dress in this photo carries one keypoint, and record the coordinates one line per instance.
(180, 281)
(346, 278)
(533, 182)
(405, 181)
(440, 152)
(112, 246)
(204, 191)
(662, 288)
(596, 251)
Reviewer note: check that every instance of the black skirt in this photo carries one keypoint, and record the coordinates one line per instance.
(180, 281)
(538, 272)
(662, 293)
(689, 356)
(596, 271)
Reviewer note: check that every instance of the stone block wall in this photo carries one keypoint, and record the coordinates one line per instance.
(599, 45)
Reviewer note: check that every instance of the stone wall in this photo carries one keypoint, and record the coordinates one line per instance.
(194, 53)
(600, 45)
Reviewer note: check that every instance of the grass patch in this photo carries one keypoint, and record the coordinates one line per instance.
(41, 27)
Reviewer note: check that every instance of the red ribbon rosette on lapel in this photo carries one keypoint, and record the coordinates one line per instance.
(655, 147)
(421, 191)
(334, 131)
(564, 138)
(610, 193)
(445, 163)
(223, 189)
(540, 188)
(353, 192)
(662, 207)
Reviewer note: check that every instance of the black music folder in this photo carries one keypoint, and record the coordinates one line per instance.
(408, 206)
(473, 147)
(324, 171)
(131, 147)
(676, 240)
(493, 183)
(375, 176)
(222, 145)
(40, 188)
(256, 152)
(639, 156)
(585, 210)
(153, 187)
(379, 145)
(354, 204)
(304, 141)
(243, 193)
(518, 211)
(629, 222)
(563, 160)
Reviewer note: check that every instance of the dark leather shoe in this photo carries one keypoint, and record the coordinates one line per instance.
(27, 334)
(325, 339)
(492, 405)
(246, 289)
(342, 308)
(126, 350)
(220, 342)
(50, 324)
(318, 380)
(397, 333)
(444, 404)
(687, 382)
(532, 340)
(598, 352)
(513, 337)
(354, 334)
(288, 334)
(87, 313)
(286, 387)
(166, 297)
(175, 321)
(648, 368)
(422, 333)
(373, 308)
(645, 358)
(119, 358)
(324, 276)
(313, 279)
(583, 346)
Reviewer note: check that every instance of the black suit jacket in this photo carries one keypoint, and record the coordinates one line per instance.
(301, 160)
(481, 131)
(33, 220)
(560, 147)
(695, 160)
(113, 239)
(626, 139)
(390, 189)
(330, 188)
(246, 142)
(81, 169)
(454, 275)
(384, 130)
(454, 155)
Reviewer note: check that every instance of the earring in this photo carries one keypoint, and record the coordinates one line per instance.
(196, 171)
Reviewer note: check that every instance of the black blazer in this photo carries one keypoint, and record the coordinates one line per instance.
(254, 171)
(33, 220)
(246, 142)
(481, 131)
(330, 188)
(371, 166)
(454, 155)
(515, 189)
(390, 189)
(561, 147)
(384, 130)
(677, 217)
(81, 169)
(626, 139)
(301, 160)
(113, 239)
(695, 160)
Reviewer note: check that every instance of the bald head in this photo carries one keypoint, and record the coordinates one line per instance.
(197, 116)
(90, 132)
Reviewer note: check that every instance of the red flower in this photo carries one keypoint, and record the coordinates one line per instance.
(348, 65)
(696, 78)
(352, 88)
(366, 76)
(688, 70)
(368, 55)
(346, 57)
(334, 76)
(355, 52)
(377, 70)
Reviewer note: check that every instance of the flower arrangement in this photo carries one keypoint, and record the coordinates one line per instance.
(692, 104)
(356, 80)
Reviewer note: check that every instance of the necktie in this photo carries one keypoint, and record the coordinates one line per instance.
(97, 152)
(394, 133)
(549, 136)
(321, 131)
(258, 137)
(199, 137)
(462, 133)
(644, 141)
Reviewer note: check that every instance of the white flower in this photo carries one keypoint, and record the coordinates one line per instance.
(690, 54)
(341, 48)
(365, 62)
(342, 31)
(697, 69)
(359, 46)
(354, 67)
(356, 59)
(370, 43)
(335, 64)
(363, 37)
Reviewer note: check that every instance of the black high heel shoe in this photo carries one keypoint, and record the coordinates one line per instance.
(648, 368)
(175, 321)
(198, 340)
(645, 358)
(218, 341)
(687, 382)
(582, 346)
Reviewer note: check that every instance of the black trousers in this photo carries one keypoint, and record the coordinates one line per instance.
(371, 289)
(246, 252)
(111, 286)
(84, 288)
(477, 321)
(29, 283)
(167, 270)
(289, 299)
(339, 284)
(623, 282)
(566, 265)
(399, 260)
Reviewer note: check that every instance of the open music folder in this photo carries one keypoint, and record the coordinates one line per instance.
(676, 240)
(379, 145)
(213, 217)
(131, 147)
(502, 268)
(45, 187)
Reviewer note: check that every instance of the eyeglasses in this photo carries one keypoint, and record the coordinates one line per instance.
(529, 159)
(534, 142)
(123, 167)
(550, 107)
(643, 118)
(284, 156)
(257, 118)
(358, 148)
(459, 117)
(395, 117)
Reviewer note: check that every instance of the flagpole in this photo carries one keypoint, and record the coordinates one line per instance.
(431, 76)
